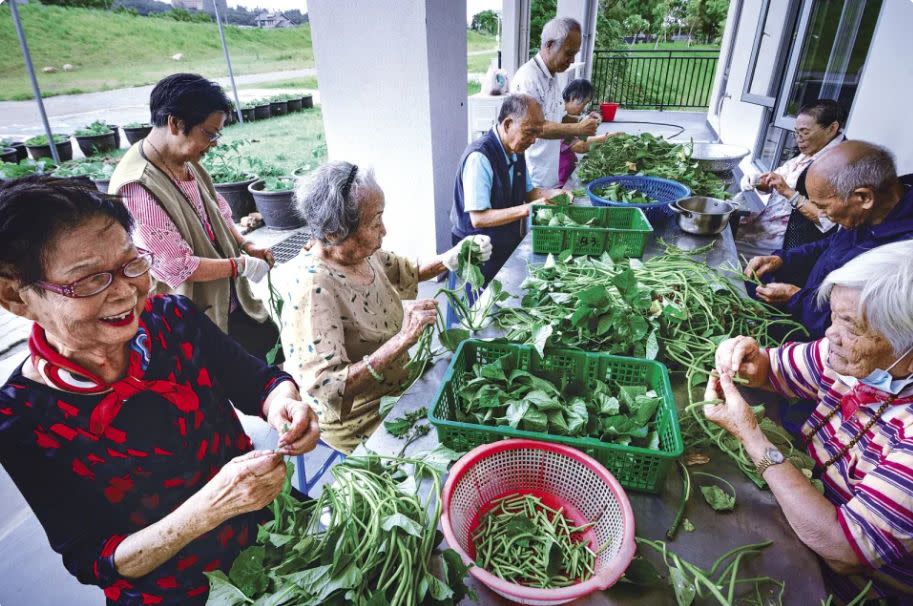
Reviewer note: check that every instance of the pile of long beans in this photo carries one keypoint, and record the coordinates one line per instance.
(524, 541)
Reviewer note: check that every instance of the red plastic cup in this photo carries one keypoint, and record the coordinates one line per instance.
(608, 111)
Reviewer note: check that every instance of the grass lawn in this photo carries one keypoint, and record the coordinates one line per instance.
(111, 50)
(288, 141)
(477, 42)
(308, 82)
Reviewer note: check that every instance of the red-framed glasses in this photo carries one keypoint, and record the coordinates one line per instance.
(97, 283)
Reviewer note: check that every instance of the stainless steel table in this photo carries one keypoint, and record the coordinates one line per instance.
(756, 518)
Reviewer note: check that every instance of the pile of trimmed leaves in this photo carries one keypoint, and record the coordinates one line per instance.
(499, 394)
(651, 156)
(556, 217)
(617, 192)
(369, 540)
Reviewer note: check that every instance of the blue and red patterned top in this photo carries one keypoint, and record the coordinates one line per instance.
(91, 491)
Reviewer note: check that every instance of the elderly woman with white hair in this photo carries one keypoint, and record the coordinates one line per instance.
(861, 376)
(345, 329)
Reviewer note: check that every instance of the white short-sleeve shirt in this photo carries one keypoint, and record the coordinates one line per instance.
(534, 79)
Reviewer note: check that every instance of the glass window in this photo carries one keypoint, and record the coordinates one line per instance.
(834, 48)
(763, 75)
(778, 146)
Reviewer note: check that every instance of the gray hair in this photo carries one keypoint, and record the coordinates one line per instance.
(875, 170)
(331, 216)
(515, 106)
(884, 278)
(557, 30)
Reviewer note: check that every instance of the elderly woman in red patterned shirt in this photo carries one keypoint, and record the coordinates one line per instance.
(861, 375)
(119, 430)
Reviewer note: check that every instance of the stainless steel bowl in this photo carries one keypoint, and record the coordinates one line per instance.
(718, 157)
(701, 215)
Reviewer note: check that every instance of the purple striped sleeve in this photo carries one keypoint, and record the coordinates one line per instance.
(796, 369)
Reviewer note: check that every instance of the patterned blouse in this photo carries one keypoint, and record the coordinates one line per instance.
(328, 323)
(90, 492)
(871, 486)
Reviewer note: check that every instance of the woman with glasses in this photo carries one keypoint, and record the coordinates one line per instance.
(184, 221)
(788, 219)
(119, 429)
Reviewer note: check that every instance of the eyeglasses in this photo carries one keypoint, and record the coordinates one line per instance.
(213, 137)
(97, 283)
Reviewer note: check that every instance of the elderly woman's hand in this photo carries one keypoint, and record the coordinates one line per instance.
(417, 315)
(776, 182)
(758, 266)
(732, 414)
(244, 484)
(742, 355)
(296, 423)
(776, 293)
(451, 258)
(261, 253)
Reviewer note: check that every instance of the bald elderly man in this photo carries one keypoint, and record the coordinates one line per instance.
(856, 185)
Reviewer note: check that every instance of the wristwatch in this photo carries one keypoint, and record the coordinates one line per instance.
(772, 456)
(796, 200)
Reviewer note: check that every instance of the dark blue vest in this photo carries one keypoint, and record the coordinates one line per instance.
(502, 194)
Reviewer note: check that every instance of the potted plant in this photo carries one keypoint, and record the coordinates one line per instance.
(116, 129)
(24, 168)
(294, 103)
(19, 146)
(278, 106)
(247, 111)
(136, 131)
(261, 109)
(99, 172)
(95, 138)
(9, 155)
(231, 175)
(39, 147)
(307, 101)
(274, 196)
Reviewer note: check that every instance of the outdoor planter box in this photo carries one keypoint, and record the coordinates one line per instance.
(277, 207)
(9, 154)
(21, 152)
(248, 114)
(97, 144)
(239, 199)
(64, 151)
(294, 105)
(262, 112)
(278, 108)
(116, 130)
(307, 101)
(135, 133)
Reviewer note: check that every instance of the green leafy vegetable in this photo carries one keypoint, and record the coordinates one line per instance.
(93, 130)
(43, 140)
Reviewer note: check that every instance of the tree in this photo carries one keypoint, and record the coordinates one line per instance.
(634, 25)
(707, 17)
(102, 4)
(540, 13)
(485, 22)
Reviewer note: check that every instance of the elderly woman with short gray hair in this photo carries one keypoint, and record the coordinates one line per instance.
(861, 377)
(345, 329)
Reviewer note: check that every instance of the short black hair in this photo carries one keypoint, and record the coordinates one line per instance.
(35, 210)
(190, 98)
(580, 89)
(825, 112)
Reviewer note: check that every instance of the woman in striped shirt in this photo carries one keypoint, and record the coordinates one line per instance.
(859, 435)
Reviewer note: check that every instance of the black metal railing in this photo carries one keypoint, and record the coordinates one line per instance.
(660, 79)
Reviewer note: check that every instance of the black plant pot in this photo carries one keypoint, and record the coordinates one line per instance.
(9, 154)
(116, 130)
(64, 150)
(248, 114)
(134, 134)
(262, 112)
(21, 152)
(278, 108)
(239, 198)
(276, 207)
(294, 105)
(96, 144)
(307, 101)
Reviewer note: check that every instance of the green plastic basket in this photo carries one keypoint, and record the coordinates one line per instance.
(637, 468)
(620, 231)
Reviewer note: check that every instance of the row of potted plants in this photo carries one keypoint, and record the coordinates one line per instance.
(270, 107)
(93, 139)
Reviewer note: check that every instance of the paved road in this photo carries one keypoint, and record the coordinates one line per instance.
(19, 119)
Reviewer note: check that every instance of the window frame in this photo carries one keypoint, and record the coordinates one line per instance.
(776, 77)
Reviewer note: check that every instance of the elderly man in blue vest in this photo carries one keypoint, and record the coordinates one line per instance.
(494, 192)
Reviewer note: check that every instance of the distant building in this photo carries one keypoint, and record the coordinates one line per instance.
(272, 20)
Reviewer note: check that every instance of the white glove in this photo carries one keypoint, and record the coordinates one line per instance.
(451, 258)
(252, 268)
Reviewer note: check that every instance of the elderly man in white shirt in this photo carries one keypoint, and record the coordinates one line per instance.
(537, 78)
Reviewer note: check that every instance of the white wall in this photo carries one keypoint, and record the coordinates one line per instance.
(393, 96)
(881, 110)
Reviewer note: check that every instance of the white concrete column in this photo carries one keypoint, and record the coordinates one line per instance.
(393, 94)
(584, 11)
(514, 34)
